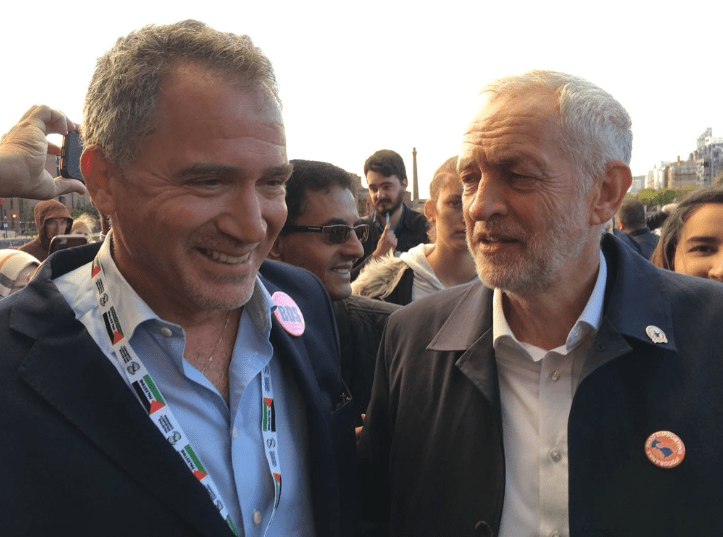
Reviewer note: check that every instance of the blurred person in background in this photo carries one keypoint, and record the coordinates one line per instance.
(630, 219)
(84, 225)
(393, 227)
(51, 218)
(691, 240)
(16, 270)
(426, 268)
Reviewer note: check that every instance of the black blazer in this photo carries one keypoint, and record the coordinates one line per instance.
(82, 458)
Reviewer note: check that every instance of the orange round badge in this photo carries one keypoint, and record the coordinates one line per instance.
(665, 449)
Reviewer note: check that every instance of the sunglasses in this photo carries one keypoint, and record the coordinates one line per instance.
(338, 233)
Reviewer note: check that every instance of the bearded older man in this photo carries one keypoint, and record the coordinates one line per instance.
(561, 394)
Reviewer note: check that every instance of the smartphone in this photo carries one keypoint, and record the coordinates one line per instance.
(60, 242)
(70, 156)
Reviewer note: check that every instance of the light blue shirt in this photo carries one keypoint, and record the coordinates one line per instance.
(228, 438)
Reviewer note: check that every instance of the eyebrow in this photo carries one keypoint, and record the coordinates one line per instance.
(463, 163)
(505, 162)
(703, 238)
(208, 168)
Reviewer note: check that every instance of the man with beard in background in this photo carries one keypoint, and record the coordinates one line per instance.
(559, 395)
(393, 227)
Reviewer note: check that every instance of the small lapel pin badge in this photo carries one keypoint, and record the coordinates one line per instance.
(656, 334)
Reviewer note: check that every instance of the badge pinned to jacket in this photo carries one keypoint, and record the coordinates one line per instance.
(665, 449)
(288, 314)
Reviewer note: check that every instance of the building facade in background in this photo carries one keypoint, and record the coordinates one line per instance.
(709, 157)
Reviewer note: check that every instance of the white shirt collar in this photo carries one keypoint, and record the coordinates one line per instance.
(590, 318)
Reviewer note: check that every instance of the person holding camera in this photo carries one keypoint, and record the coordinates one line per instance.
(23, 151)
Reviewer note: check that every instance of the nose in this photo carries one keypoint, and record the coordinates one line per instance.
(488, 199)
(244, 216)
(353, 247)
(716, 270)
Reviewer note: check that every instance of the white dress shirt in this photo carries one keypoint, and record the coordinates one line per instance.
(536, 391)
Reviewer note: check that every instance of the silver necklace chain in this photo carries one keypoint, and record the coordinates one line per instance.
(210, 358)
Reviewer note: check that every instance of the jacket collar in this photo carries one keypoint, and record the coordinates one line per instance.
(469, 328)
(636, 307)
(316, 381)
(636, 298)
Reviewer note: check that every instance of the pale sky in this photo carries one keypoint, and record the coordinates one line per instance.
(357, 77)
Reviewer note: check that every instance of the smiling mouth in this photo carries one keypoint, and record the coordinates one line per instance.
(224, 258)
(344, 272)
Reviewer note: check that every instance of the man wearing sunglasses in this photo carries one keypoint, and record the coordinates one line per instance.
(323, 234)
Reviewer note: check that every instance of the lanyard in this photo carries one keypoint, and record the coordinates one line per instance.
(150, 397)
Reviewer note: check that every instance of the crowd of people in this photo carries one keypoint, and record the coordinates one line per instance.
(244, 354)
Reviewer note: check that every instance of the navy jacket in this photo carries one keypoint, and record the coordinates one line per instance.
(431, 452)
(646, 239)
(82, 458)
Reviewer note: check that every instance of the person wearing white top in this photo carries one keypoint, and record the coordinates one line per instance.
(426, 268)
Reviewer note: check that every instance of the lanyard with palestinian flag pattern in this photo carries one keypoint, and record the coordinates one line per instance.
(160, 413)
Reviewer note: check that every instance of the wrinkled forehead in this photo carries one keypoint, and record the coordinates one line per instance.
(505, 125)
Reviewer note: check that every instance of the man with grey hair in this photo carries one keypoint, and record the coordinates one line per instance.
(575, 390)
(244, 424)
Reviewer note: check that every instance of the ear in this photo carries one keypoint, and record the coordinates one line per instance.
(404, 184)
(276, 249)
(608, 192)
(429, 211)
(98, 172)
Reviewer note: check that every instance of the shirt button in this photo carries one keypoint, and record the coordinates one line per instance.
(555, 455)
(234, 433)
(166, 332)
(555, 376)
(257, 517)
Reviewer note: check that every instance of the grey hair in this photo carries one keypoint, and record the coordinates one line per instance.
(121, 105)
(596, 129)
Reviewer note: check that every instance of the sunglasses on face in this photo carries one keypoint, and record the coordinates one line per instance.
(338, 233)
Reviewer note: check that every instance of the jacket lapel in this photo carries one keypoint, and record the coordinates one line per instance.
(469, 329)
(316, 382)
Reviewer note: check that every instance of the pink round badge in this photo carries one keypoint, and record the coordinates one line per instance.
(288, 314)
